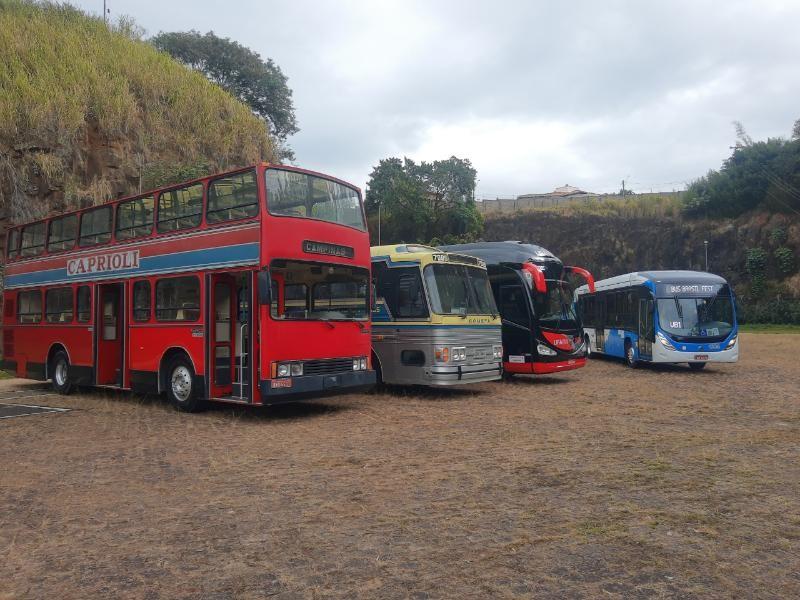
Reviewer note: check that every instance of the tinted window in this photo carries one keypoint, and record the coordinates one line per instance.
(141, 301)
(58, 305)
(180, 209)
(32, 239)
(513, 305)
(295, 300)
(62, 233)
(292, 194)
(349, 298)
(84, 304)
(402, 290)
(135, 218)
(13, 244)
(459, 290)
(96, 226)
(29, 307)
(178, 299)
(233, 197)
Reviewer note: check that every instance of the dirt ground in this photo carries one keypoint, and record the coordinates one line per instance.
(605, 482)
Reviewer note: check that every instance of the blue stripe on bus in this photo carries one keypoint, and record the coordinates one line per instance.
(150, 265)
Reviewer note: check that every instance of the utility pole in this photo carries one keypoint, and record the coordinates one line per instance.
(623, 188)
(705, 245)
(379, 223)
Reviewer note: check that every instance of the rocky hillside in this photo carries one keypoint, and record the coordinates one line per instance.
(755, 248)
(89, 112)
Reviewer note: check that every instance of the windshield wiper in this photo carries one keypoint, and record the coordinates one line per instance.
(678, 307)
(328, 322)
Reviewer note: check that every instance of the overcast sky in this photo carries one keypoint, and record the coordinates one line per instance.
(535, 94)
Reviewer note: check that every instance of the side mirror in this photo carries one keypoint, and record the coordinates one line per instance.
(264, 288)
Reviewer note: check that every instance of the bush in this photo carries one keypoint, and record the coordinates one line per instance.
(756, 264)
(784, 257)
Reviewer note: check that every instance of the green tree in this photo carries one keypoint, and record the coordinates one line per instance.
(258, 83)
(763, 174)
(423, 201)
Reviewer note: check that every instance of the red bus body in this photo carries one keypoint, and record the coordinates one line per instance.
(234, 334)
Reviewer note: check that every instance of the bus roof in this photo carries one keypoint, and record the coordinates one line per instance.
(514, 252)
(654, 277)
(419, 253)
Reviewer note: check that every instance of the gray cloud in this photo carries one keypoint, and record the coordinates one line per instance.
(536, 94)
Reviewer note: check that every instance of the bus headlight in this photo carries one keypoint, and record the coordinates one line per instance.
(441, 353)
(363, 361)
(360, 363)
(297, 369)
(497, 351)
(664, 341)
(284, 369)
(544, 350)
(731, 343)
(459, 354)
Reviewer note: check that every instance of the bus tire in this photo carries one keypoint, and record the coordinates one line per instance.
(630, 355)
(588, 346)
(59, 367)
(181, 386)
(697, 366)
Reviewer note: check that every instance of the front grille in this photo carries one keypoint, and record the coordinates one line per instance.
(328, 366)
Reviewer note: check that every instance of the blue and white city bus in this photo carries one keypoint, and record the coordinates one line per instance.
(661, 316)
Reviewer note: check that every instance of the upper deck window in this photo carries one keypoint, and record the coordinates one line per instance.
(292, 194)
(135, 218)
(32, 239)
(12, 247)
(233, 197)
(181, 208)
(96, 226)
(62, 233)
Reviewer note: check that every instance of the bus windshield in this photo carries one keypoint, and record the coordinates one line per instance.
(555, 310)
(459, 290)
(318, 291)
(685, 318)
(292, 194)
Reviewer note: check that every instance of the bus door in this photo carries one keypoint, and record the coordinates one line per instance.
(646, 329)
(222, 337)
(518, 340)
(110, 333)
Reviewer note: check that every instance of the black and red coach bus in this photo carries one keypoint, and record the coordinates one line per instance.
(249, 286)
(542, 332)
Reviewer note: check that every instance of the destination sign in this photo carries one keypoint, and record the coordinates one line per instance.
(312, 247)
(688, 289)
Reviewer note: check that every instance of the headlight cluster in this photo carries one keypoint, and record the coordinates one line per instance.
(497, 352)
(360, 364)
(544, 350)
(446, 354)
(664, 341)
(731, 343)
(293, 369)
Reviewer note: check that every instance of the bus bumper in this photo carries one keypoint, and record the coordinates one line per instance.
(662, 355)
(461, 374)
(545, 368)
(290, 388)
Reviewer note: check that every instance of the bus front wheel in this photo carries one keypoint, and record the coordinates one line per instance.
(697, 366)
(630, 356)
(181, 386)
(59, 367)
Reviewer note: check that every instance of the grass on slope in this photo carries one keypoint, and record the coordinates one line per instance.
(62, 69)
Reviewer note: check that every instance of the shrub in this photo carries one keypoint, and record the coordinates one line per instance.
(784, 257)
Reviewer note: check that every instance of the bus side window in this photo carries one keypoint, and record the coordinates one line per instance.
(84, 304)
(513, 305)
(402, 290)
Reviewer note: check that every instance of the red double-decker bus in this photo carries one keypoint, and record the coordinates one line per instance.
(250, 286)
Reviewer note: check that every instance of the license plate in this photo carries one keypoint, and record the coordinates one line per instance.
(701, 356)
(281, 383)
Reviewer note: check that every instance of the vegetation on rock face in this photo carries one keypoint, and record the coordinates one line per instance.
(426, 202)
(259, 84)
(89, 111)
